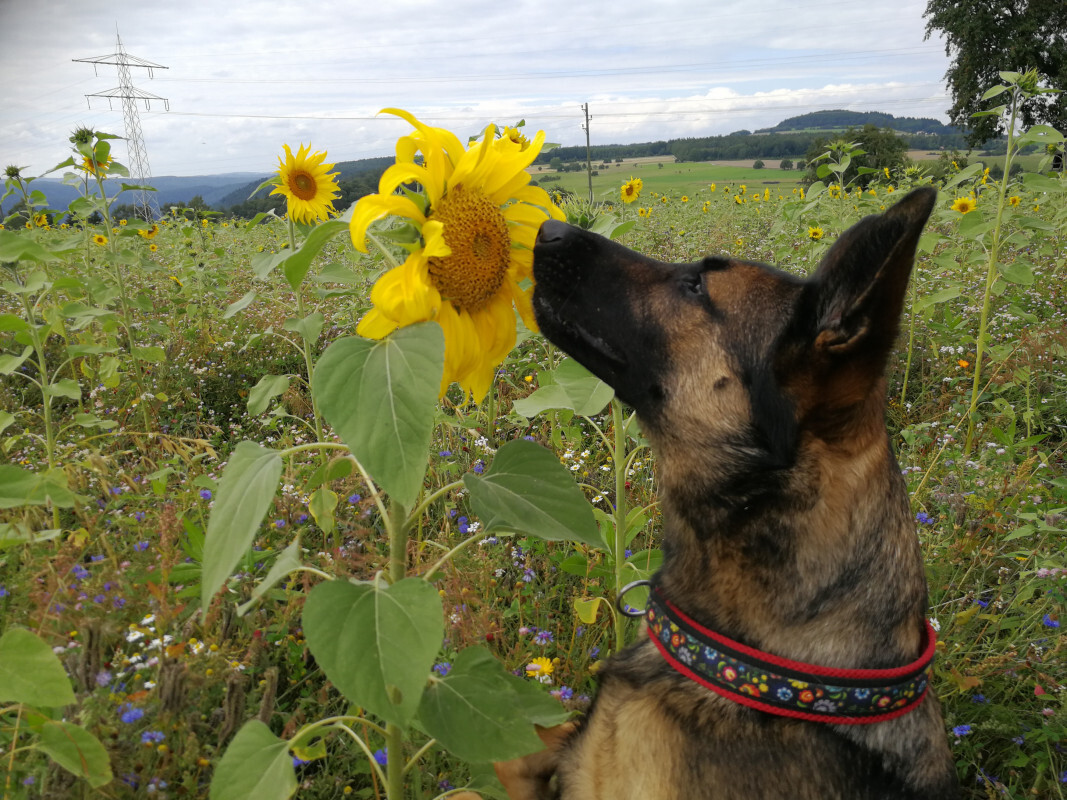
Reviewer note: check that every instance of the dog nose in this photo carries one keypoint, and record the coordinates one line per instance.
(552, 231)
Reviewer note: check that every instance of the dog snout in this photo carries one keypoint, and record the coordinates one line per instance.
(552, 231)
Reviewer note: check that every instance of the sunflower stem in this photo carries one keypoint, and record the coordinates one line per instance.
(619, 459)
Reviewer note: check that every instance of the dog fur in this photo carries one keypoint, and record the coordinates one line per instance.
(787, 525)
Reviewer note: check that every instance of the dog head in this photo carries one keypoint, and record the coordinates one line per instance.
(732, 364)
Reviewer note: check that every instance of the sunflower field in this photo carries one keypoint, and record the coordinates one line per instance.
(305, 506)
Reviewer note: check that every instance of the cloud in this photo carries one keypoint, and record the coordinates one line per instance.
(245, 77)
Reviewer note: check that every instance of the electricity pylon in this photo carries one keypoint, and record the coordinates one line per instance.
(130, 94)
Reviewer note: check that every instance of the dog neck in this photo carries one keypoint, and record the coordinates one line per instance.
(825, 568)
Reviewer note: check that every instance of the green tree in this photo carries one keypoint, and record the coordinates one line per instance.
(785, 163)
(983, 37)
(758, 164)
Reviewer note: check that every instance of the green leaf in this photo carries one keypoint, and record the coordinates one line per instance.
(380, 398)
(6, 420)
(471, 711)
(9, 363)
(575, 388)
(246, 489)
(527, 490)
(30, 672)
(153, 355)
(296, 266)
(67, 387)
(93, 421)
(936, 298)
(375, 642)
(74, 749)
(239, 305)
(256, 766)
(309, 327)
(264, 263)
(996, 90)
(269, 387)
(587, 608)
(288, 560)
(14, 247)
(19, 487)
(1017, 272)
(322, 505)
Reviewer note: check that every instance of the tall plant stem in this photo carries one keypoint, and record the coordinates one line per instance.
(305, 348)
(911, 342)
(991, 276)
(619, 460)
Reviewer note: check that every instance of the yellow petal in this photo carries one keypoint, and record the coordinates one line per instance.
(375, 206)
(375, 325)
(405, 295)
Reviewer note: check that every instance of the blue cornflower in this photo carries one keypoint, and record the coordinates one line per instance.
(3, 591)
(130, 714)
(479, 468)
(80, 572)
(961, 730)
(298, 762)
(279, 523)
(381, 755)
(96, 558)
(442, 668)
(1019, 740)
(353, 499)
(528, 575)
(29, 780)
(543, 637)
(118, 602)
(565, 693)
(628, 552)
(205, 494)
(103, 678)
(139, 516)
(99, 598)
(445, 453)
(141, 546)
(1049, 622)
(978, 698)
(528, 438)
(594, 652)
(463, 526)
(148, 737)
(302, 518)
(924, 519)
(445, 786)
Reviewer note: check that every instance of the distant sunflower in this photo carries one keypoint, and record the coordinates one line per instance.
(150, 233)
(307, 184)
(97, 168)
(965, 205)
(642, 212)
(1014, 201)
(815, 233)
(476, 222)
(99, 239)
(631, 190)
(153, 247)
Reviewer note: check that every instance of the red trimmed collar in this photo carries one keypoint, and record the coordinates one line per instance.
(779, 685)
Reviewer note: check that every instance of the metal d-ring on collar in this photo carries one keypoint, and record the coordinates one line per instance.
(630, 611)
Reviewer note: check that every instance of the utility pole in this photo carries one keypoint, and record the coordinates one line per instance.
(588, 158)
(130, 94)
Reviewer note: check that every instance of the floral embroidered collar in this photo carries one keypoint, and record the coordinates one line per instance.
(780, 686)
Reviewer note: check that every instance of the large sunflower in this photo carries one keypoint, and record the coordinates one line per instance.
(308, 185)
(476, 220)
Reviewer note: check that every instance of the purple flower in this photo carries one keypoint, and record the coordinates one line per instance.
(3, 590)
(80, 572)
(148, 737)
(961, 730)
(353, 499)
(442, 668)
(445, 453)
(479, 468)
(528, 575)
(279, 523)
(543, 637)
(130, 714)
(118, 602)
(99, 598)
(594, 652)
(139, 516)
(381, 755)
(141, 546)
(463, 526)
(103, 678)
(1049, 622)
(205, 494)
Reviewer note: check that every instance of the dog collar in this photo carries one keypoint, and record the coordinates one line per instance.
(781, 686)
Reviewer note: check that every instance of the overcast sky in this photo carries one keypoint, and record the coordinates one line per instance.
(243, 78)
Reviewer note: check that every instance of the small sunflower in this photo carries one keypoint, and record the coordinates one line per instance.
(712, 187)
(153, 247)
(815, 233)
(964, 205)
(1014, 201)
(94, 167)
(99, 239)
(685, 198)
(475, 221)
(642, 212)
(308, 186)
(631, 190)
(149, 233)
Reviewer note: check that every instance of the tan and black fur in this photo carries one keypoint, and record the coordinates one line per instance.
(786, 520)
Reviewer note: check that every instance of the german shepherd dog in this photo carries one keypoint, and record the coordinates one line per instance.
(788, 536)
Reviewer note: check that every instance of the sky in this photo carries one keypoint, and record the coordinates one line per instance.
(244, 77)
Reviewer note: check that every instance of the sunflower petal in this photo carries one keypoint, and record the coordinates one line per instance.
(375, 206)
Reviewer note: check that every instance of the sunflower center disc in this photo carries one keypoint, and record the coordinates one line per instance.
(302, 185)
(477, 234)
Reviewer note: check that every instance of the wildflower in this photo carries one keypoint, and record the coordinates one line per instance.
(442, 668)
(712, 187)
(545, 637)
(152, 737)
(685, 198)
(961, 730)
(1049, 622)
(964, 205)
(153, 247)
(99, 239)
(641, 212)
(353, 499)
(815, 233)
(631, 190)
(476, 228)
(1014, 201)
(886, 171)
(381, 755)
(924, 519)
(150, 233)
(539, 667)
(307, 185)
(130, 714)
(205, 494)
(3, 591)
(173, 278)
(964, 363)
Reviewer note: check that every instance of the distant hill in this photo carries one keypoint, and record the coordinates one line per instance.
(170, 190)
(839, 118)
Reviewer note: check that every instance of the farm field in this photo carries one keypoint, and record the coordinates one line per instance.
(201, 517)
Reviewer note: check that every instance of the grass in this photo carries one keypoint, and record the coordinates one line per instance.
(113, 586)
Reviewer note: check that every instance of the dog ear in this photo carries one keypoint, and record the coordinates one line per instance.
(861, 282)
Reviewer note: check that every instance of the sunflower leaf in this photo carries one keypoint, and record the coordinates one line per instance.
(296, 266)
(380, 397)
(256, 765)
